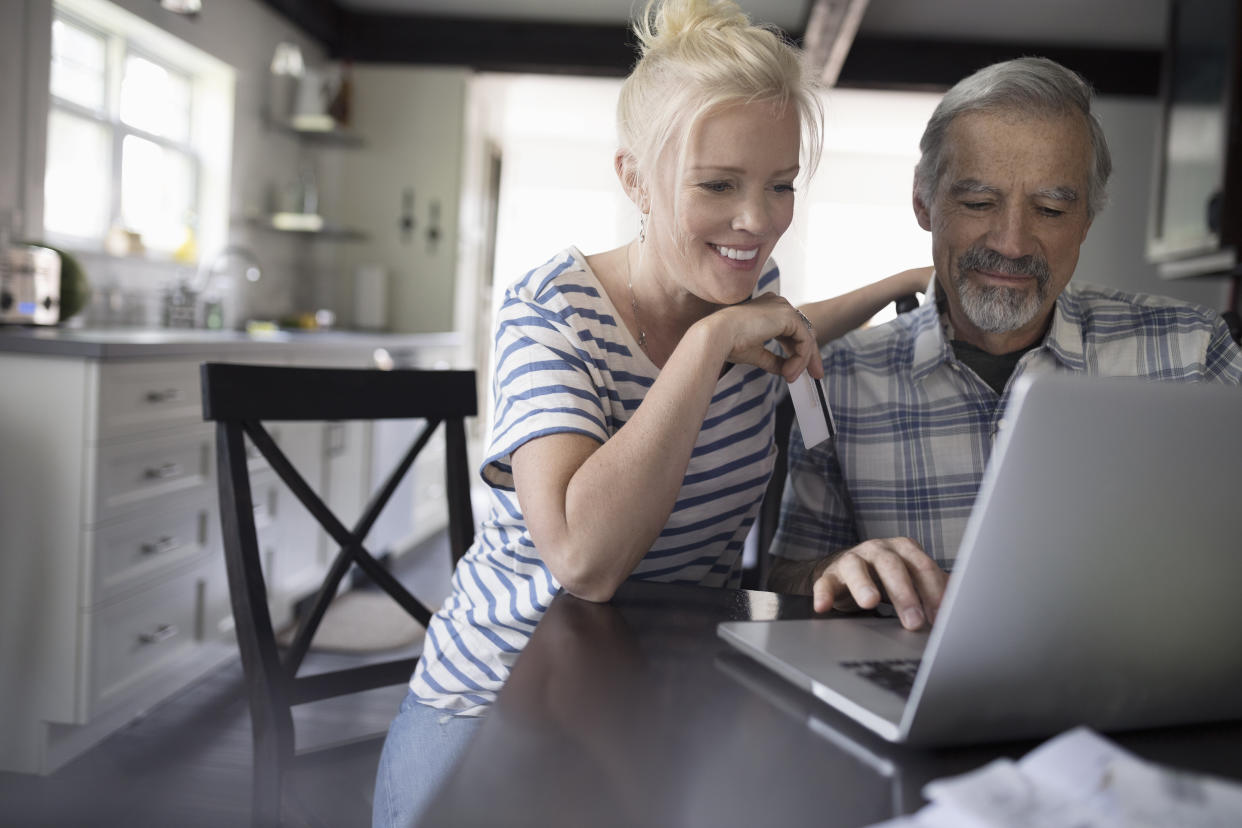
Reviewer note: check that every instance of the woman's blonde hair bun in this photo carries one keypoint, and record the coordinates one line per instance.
(696, 56)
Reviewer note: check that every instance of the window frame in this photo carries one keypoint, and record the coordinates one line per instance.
(119, 45)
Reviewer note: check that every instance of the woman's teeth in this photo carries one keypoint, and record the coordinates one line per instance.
(734, 253)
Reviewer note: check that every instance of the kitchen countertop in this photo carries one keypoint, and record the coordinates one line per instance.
(160, 343)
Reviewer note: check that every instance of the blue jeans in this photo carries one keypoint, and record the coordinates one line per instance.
(422, 747)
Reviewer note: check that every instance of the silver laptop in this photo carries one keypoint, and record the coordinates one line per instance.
(1099, 580)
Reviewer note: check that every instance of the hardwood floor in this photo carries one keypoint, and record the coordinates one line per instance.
(187, 762)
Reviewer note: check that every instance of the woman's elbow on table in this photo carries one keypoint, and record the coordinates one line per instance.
(581, 578)
(598, 595)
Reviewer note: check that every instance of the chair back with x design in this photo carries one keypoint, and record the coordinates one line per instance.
(240, 399)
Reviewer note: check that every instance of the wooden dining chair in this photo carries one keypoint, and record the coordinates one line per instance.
(240, 399)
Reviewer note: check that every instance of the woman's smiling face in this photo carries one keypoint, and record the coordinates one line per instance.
(715, 227)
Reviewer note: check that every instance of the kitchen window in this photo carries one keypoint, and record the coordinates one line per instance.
(134, 162)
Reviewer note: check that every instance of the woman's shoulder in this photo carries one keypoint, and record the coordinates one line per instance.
(563, 279)
(562, 295)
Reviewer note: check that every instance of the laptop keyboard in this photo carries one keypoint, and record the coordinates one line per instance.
(893, 674)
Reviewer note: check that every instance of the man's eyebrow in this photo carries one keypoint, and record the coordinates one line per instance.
(1058, 193)
(973, 186)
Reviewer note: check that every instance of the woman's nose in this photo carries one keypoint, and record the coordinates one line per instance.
(754, 215)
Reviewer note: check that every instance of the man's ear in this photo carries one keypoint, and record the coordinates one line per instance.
(921, 212)
(627, 172)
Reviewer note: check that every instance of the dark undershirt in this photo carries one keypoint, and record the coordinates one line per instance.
(994, 369)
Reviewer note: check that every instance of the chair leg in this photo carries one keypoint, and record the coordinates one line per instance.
(265, 808)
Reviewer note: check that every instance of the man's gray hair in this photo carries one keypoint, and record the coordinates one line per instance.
(1024, 84)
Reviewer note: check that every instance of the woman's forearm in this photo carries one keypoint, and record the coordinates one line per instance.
(839, 315)
(595, 523)
(594, 510)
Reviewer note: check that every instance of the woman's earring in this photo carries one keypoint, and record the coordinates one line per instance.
(642, 227)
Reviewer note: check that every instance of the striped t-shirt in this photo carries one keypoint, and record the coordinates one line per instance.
(566, 363)
(916, 426)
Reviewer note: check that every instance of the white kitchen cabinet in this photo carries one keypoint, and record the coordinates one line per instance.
(132, 641)
(131, 472)
(112, 564)
(143, 547)
(113, 594)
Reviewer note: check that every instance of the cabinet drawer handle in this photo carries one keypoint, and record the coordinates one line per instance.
(162, 472)
(163, 395)
(161, 633)
(165, 544)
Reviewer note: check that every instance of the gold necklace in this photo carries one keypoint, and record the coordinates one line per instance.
(629, 282)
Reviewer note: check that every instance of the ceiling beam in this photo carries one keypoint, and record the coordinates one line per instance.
(488, 45)
(321, 19)
(935, 65)
(609, 50)
(830, 30)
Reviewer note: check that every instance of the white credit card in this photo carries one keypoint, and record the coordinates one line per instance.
(811, 406)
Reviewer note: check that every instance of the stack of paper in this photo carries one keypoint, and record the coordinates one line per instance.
(1077, 779)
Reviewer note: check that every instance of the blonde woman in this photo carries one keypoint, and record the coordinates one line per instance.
(632, 435)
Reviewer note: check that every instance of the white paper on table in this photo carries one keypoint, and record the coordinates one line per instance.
(1077, 780)
(1077, 764)
(1153, 795)
(1000, 793)
(1135, 793)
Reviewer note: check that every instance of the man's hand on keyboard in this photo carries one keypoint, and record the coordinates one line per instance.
(859, 578)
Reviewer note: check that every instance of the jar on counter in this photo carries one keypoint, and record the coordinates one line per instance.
(180, 306)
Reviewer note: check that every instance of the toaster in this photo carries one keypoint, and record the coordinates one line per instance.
(29, 285)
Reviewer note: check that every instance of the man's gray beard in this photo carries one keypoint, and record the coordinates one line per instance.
(997, 308)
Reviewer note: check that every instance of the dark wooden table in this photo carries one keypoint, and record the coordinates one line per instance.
(634, 713)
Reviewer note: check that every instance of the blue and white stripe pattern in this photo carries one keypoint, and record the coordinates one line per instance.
(916, 426)
(566, 363)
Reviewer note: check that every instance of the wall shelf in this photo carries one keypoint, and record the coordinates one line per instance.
(325, 132)
(310, 226)
(311, 131)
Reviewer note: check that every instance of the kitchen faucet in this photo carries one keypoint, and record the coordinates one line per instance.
(201, 302)
(216, 310)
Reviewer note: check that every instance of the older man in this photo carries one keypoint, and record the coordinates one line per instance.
(1014, 168)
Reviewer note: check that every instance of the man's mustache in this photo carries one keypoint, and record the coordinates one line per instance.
(985, 258)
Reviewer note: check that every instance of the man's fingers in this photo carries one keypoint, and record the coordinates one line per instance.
(912, 580)
(895, 576)
(823, 593)
(856, 576)
(894, 567)
(848, 577)
(928, 578)
(931, 583)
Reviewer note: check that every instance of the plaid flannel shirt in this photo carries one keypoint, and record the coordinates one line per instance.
(915, 427)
